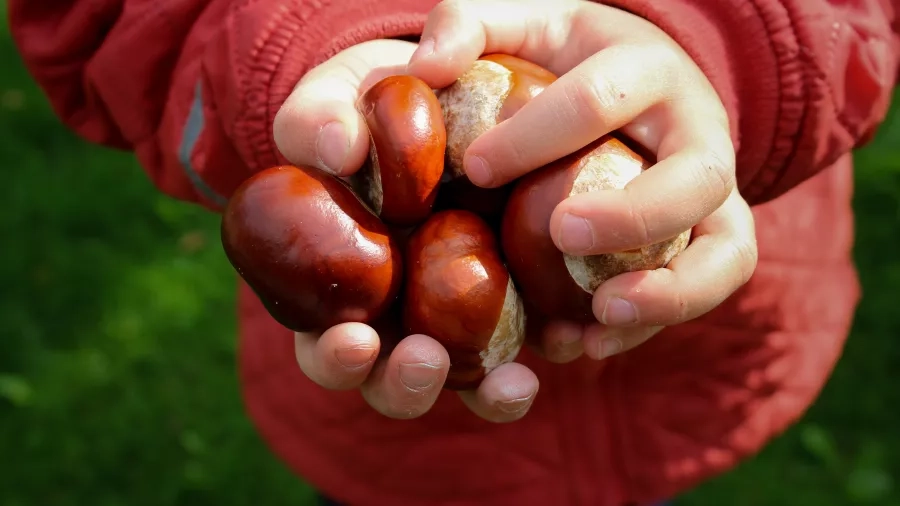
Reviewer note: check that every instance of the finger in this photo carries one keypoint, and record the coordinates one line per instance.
(601, 94)
(719, 260)
(505, 394)
(340, 358)
(319, 125)
(560, 341)
(408, 383)
(694, 176)
(602, 342)
(457, 32)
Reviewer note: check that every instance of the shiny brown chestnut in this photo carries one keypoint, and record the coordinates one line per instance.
(459, 292)
(400, 179)
(310, 249)
(557, 284)
(491, 91)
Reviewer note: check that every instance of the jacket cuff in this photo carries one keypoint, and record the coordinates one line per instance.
(304, 36)
(748, 54)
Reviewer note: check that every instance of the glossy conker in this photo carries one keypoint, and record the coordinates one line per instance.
(310, 249)
(491, 91)
(560, 285)
(459, 292)
(406, 150)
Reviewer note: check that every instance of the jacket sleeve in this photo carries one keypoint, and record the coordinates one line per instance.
(190, 86)
(804, 81)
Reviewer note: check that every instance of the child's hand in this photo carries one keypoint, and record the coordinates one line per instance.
(319, 125)
(617, 72)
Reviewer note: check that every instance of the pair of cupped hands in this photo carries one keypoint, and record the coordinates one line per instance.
(617, 72)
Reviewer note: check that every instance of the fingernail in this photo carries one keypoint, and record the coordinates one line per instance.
(569, 337)
(575, 234)
(425, 49)
(478, 171)
(417, 377)
(354, 357)
(333, 146)
(609, 347)
(515, 405)
(619, 312)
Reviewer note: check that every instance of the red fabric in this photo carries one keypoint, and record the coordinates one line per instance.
(192, 86)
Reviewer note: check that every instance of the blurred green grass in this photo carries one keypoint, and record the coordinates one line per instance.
(117, 374)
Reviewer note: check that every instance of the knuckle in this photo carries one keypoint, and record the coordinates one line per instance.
(641, 228)
(508, 157)
(594, 97)
(669, 64)
(563, 353)
(745, 257)
(449, 8)
(281, 126)
(682, 309)
(673, 298)
(669, 59)
(717, 171)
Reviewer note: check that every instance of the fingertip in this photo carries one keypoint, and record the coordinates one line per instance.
(408, 383)
(340, 358)
(505, 395)
(561, 341)
(347, 151)
(574, 224)
(330, 135)
(422, 363)
(601, 342)
(421, 348)
(440, 70)
(448, 47)
(645, 297)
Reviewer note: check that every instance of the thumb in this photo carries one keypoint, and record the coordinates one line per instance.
(319, 125)
(458, 32)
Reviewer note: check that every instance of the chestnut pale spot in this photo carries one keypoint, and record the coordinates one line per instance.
(508, 337)
(490, 92)
(471, 106)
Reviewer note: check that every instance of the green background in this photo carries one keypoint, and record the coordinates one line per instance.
(117, 334)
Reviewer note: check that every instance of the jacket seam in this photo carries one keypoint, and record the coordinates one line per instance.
(780, 171)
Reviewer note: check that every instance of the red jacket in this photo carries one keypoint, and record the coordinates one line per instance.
(192, 87)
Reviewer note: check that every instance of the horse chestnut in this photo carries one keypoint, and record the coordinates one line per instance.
(557, 284)
(491, 91)
(310, 249)
(459, 292)
(406, 151)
